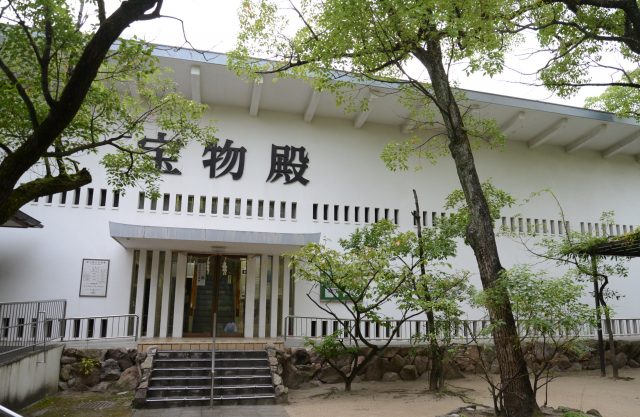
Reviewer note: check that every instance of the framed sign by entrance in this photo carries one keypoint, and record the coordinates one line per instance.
(94, 277)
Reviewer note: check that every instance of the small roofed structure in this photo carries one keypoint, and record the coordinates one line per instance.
(627, 245)
(22, 220)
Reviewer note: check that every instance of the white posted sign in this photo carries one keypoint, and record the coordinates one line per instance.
(94, 278)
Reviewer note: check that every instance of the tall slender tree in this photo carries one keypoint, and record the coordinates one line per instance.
(377, 40)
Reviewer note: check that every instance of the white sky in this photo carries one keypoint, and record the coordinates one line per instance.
(212, 25)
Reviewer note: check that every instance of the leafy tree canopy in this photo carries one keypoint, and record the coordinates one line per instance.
(70, 87)
(589, 43)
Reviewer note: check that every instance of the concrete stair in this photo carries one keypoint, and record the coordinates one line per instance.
(183, 378)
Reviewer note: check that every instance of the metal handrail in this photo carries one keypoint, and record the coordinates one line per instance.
(111, 326)
(213, 357)
(297, 327)
(43, 329)
(5, 411)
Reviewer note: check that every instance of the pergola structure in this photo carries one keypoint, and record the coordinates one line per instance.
(625, 246)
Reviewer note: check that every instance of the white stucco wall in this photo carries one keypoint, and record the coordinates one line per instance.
(344, 169)
(30, 378)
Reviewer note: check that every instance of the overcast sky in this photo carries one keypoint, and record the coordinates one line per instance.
(212, 25)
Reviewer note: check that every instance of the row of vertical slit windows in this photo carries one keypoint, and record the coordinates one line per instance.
(560, 227)
(91, 198)
(359, 214)
(225, 206)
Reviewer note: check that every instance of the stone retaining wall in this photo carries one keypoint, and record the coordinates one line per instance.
(300, 366)
(100, 369)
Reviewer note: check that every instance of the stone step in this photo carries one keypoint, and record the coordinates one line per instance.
(220, 354)
(163, 402)
(206, 362)
(180, 378)
(202, 390)
(206, 380)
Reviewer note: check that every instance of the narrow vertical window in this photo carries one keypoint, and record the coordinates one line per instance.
(116, 199)
(366, 214)
(76, 197)
(356, 214)
(346, 213)
(552, 226)
(396, 216)
(141, 200)
(178, 206)
(283, 209)
(89, 196)
(249, 207)
(203, 204)
(425, 216)
(50, 198)
(166, 200)
(237, 207)
(294, 210)
(103, 197)
(376, 212)
(225, 206)
(336, 215)
(190, 203)
(325, 212)
(272, 209)
(63, 197)
(315, 211)
(386, 214)
(214, 205)
(260, 208)
(154, 203)
(434, 218)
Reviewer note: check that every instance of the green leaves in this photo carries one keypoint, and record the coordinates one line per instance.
(41, 42)
(543, 306)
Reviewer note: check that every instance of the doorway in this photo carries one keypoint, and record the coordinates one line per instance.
(215, 283)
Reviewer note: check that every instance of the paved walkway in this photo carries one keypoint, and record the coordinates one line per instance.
(220, 411)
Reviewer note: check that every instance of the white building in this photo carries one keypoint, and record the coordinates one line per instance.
(164, 256)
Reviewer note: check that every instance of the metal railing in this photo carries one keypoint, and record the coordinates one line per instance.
(33, 325)
(411, 330)
(6, 412)
(99, 327)
(30, 324)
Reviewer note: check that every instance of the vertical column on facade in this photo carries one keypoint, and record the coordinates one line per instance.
(275, 274)
(153, 290)
(165, 294)
(178, 309)
(250, 295)
(262, 317)
(142, 267)
(285, 294)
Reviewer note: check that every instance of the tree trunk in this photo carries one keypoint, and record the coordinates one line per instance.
(519, 398)
(436, 375)
(612, 345)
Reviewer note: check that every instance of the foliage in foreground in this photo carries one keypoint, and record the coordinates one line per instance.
(70, 88)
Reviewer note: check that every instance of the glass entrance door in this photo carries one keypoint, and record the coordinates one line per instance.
(214, 283)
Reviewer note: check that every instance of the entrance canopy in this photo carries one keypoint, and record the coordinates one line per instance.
(22, 220)
(208, 240)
